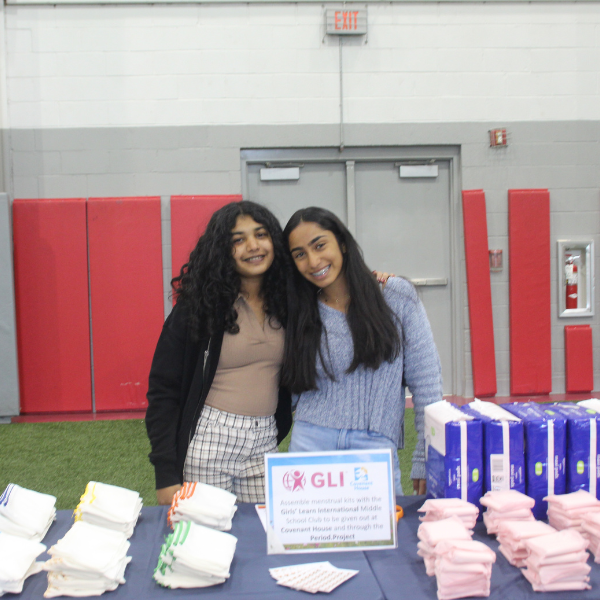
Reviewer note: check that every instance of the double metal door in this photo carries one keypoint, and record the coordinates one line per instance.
(403, 224)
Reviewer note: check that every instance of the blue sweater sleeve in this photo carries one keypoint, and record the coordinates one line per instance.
(422, 368)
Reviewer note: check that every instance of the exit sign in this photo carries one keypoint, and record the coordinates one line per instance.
(346, 21)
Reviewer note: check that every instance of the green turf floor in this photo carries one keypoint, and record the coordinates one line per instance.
(60, 458)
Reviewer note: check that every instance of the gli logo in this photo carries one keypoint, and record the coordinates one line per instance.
(294, 481)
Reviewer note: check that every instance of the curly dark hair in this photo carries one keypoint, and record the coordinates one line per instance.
(208, 283)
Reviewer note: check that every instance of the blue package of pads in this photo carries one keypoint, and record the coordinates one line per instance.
(503, 450)
(583, 458)
(453, 450)
(545, 450)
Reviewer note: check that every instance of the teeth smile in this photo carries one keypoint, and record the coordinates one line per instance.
(321, 272)
(254, 259)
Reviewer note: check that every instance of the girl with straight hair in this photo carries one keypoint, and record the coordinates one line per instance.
(351, 348)
(215, 405)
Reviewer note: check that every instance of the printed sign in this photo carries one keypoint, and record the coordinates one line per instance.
(319, 501)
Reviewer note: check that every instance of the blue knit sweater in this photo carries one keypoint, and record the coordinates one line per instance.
(374, 400)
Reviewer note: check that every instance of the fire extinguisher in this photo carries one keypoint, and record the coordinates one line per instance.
(571, 279)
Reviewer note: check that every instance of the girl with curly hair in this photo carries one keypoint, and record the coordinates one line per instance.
(214, 401)
(351, 348)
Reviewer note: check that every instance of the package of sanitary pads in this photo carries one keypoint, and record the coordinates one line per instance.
(583, 457)
(503, 452)
(545, 446)
(453, 450)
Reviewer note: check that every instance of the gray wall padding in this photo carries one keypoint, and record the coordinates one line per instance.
(9, 377)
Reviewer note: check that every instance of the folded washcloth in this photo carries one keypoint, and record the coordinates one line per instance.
(195, 556)
(109, 506)
(26, 513)
(17, 561)
(203, 504)
(91, 548)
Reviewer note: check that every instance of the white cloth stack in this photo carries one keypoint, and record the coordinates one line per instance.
(26, 513)
(432, 533)
(557, 562)
(109, 506)
(463, 568)
(203, 504)
(591, 532)
(506, 505)
(195, 556)
(437, 509)
(88, 561)
(566, 511)
(17, 562)
(512, 536)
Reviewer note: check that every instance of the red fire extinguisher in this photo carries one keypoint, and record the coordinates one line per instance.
(571, 279)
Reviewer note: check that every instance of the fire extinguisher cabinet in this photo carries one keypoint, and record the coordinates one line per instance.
(575, 278)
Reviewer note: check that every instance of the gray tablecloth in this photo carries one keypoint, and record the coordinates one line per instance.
(383, 574)
(250, 579)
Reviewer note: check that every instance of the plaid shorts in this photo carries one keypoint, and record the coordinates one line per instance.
(228, 450)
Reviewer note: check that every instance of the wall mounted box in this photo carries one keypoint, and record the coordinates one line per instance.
(575, 264)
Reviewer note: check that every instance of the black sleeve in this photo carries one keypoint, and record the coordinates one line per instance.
(283, 414)
(165, 398)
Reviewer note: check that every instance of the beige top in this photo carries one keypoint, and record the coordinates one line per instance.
(247, 377)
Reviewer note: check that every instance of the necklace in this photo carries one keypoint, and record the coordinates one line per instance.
(333, 300)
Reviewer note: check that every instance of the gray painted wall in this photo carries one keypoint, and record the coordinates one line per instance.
(9, 378)
(561, 156)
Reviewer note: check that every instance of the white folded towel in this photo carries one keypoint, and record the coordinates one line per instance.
(204, 504)
(17, 561)
(26, 512)
(109, 506)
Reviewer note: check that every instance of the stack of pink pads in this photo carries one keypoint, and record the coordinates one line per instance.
(506, 505)
(512, 536)
(462, 567)
(443, 508)
(567, 510)
(557, 562)
(591, 532)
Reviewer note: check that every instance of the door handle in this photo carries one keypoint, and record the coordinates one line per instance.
(429, 282)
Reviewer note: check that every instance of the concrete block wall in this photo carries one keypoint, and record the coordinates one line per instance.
(160, 100)
(98, 66)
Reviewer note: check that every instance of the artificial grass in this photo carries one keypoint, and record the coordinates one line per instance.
(60, 458)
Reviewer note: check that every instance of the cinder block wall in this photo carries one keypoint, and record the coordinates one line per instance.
(140, 100)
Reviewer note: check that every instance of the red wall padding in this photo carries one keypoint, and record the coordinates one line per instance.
(52, 304)
(189, 217)
(530, 321)
(579, 358)
(483, 357)
(127, 297)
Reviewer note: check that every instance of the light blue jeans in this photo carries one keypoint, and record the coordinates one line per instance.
(307, 437)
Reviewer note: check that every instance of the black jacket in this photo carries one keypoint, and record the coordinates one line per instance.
(180, 378)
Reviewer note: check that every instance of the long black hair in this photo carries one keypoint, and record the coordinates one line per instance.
(372, 323)
(208, 283)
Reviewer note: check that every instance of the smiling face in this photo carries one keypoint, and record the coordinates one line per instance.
(317, 254)
(252, 248)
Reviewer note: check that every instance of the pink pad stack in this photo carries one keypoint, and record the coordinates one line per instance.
(463, 568)
(591, 532)
(512, 536)
(434, 532)
(506, 505)
(437, 509)
(566, 511)
(557, 562)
